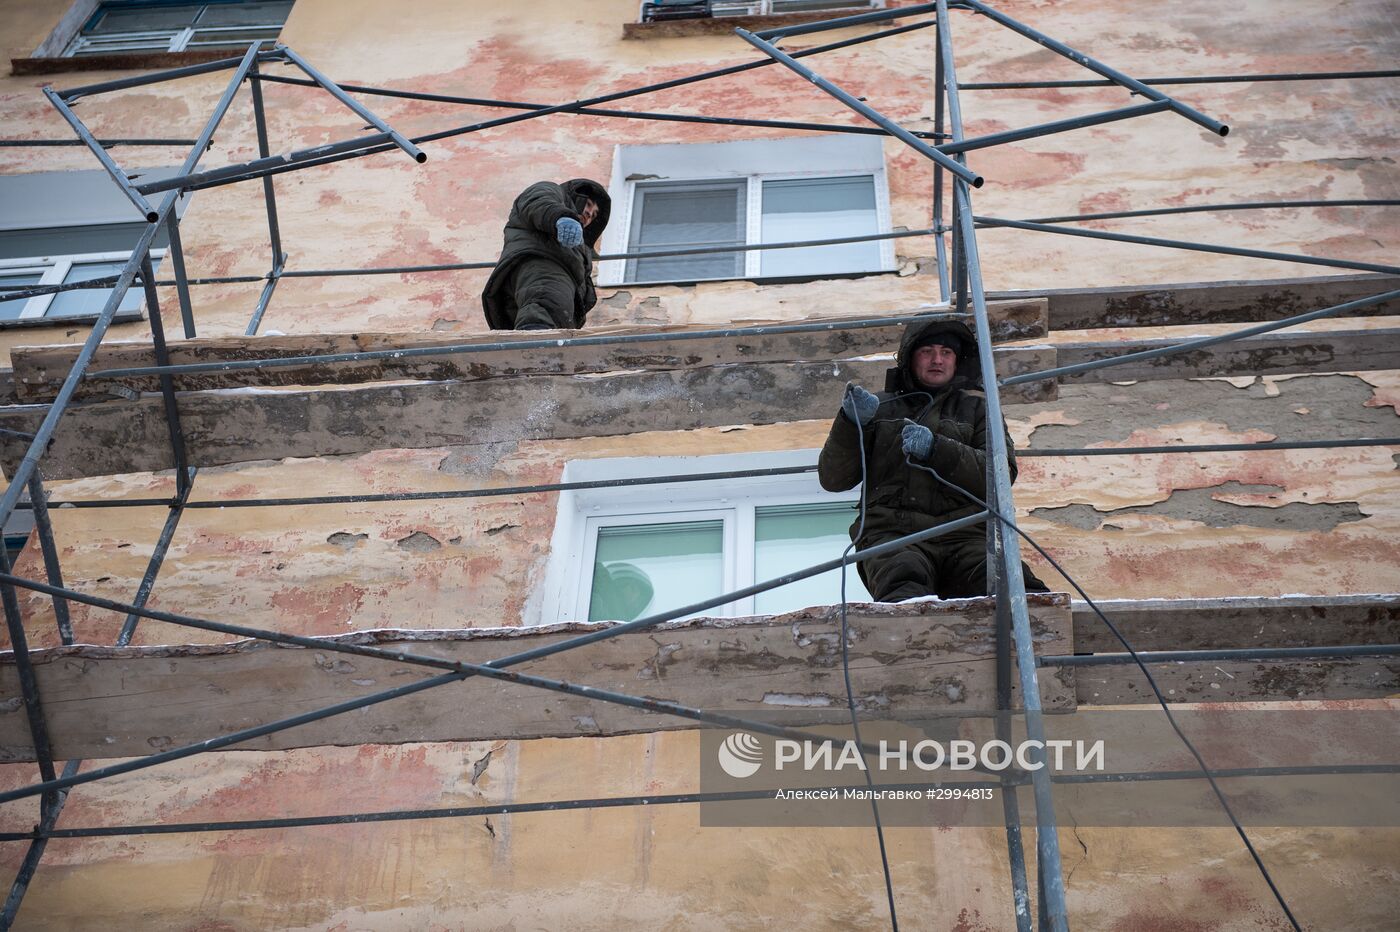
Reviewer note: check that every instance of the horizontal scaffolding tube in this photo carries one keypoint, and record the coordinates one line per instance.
(1184, 244)
(493, 669)
(1058, 126)
(459, 349)
(1199, 656)
(1187, 346)
(1210, 208)
(958, 169)
(1199, 79)
(1098, 67)
(658, 799)
(156, 77)
(842, 22)
(29, 291)
(104, 143)
(594, 111)
(575, 105)
(452, 812)
(688, 477)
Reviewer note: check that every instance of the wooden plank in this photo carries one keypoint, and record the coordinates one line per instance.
(40, 370)
(1207, 302)
(1219, 624)
(1242, 681)
(242, 425)
(1268, 354)
(906, 659)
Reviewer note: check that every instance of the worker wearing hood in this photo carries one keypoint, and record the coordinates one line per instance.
(936, 385)
(544, 277)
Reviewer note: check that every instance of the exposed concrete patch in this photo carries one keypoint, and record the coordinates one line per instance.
(619, 300)
(1337, 406)
(346, 540)
(418, 542)
(1206, 507)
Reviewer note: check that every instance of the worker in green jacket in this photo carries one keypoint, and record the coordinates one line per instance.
(933, 412)
(544, 277)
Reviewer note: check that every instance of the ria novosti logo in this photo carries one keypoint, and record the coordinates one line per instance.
(740, 755)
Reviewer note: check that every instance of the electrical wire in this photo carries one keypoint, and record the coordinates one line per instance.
(846, 671)
(1161, 700)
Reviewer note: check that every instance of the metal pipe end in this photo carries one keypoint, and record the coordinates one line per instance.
(978, 181)
(1224, 130)
(421, 157)
(152, 216)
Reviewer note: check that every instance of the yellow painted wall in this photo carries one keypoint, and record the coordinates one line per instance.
(1133, 527)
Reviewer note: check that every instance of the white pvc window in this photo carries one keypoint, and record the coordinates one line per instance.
(765, 7)
(713, 195)
(57, 270)
(179, 27)
(626, 553)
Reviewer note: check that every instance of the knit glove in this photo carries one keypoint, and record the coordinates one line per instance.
(918, 440)
(569, 232)
(860, 406)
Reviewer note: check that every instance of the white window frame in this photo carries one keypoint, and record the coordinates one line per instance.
(162, 40)
(582, 512)
(813, 157)
(54, 270)
(778, 7)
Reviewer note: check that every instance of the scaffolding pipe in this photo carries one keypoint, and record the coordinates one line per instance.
(1200, 79)
(492, 670)
(1200, 656)
(43, 527)
(596, 111)
(360, 110)
(1098, 67)
(1184, 244)
(1187, 346)
(1011, 583)
(153, 566)
(864, 109)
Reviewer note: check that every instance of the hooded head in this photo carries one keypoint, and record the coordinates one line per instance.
(583, 189)
(948, 332)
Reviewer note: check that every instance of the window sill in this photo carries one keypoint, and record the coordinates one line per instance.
(77, 320)
(725, 25)
(755, 279)
(118, 61)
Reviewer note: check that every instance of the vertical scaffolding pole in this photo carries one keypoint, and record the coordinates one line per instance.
(274, 233)
(148, 581)
(43, 527)
(1011, 588)
(182, 286)
(939, 249)
(167, 383)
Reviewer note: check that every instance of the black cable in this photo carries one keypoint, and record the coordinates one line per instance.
(1161, 700)
(846, 672)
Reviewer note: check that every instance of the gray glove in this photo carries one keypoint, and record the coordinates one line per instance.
(918, 440)
(569, 232)
(860, 406)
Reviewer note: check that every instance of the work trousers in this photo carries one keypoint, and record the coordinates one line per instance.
(544, 295)
(953, 566)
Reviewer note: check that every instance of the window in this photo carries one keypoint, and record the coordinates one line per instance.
(63, 227)
(624, 553)
(155, 26)
(656, 10)
(732, 194)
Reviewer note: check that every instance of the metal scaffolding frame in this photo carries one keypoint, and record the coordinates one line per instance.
(960, 283)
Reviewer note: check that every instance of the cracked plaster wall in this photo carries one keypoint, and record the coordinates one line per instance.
(447, 564)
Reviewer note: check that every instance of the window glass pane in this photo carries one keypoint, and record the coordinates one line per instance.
(9, 310)
(820, 208)
(245, 14)
(143, 19)
(233, 38)
(90, 301)
(643, 569)
(676, 216)
(791, 537)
